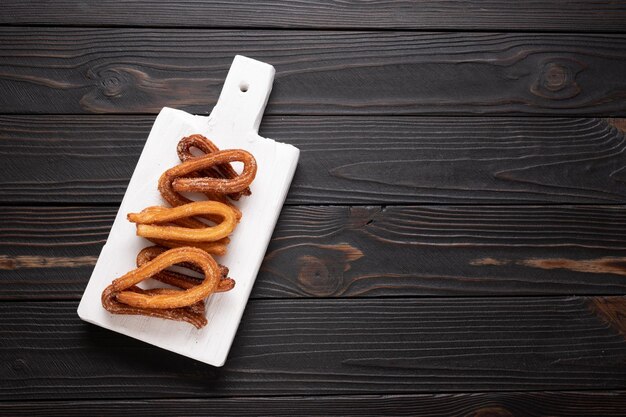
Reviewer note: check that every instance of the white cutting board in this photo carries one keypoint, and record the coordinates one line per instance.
(233, 124)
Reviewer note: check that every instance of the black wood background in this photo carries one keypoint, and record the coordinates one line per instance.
(454, 241)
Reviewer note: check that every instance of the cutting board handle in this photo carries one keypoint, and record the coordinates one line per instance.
(244, 96)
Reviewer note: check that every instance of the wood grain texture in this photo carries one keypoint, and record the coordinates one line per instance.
(445, 250)
(294, 347)
(576, 16)
(50, 251)
(318, 72)
(344, 159)
(342, 251)
(492, 404)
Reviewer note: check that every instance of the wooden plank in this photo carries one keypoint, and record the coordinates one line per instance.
(530, 404)
(342, 251)
(50, 252)
(314, 347)
(573, 16)
(77, 70)
(356, 160)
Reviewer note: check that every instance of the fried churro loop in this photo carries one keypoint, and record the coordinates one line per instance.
(193, 314)
(206, 146)
(171, 298)
(178, 178)
(152, 222)
(179, 279)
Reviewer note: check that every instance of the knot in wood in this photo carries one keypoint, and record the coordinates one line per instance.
(317, 277)
(112, 82)
(492, 412)
(556, 77)
(557, 80)
(19, 366)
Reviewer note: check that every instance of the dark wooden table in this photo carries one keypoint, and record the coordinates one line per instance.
(454, 241)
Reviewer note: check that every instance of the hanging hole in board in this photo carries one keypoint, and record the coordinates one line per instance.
(243, 86)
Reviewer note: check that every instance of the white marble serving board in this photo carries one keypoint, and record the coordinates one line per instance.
(232, 124)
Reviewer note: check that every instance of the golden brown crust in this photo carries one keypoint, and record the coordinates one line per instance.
(178, 279)
(150, 222)
(194, 314)
(183, 177)
(206, 146)
(213, 248)
(175, 199)
(178, 298)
